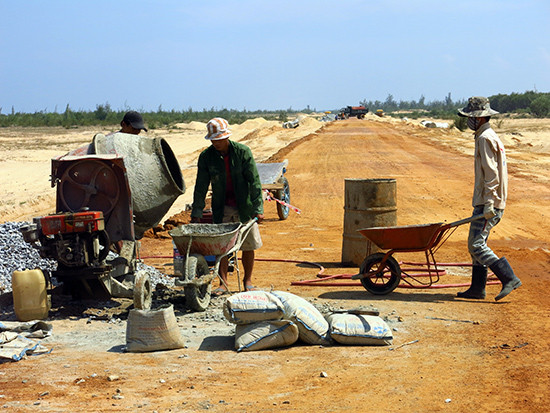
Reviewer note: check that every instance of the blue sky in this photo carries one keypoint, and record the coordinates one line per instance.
(266, 54)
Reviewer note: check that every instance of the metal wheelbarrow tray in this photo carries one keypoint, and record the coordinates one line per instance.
(194, 242)
(380, 273)
(205, 239)
(411, 237)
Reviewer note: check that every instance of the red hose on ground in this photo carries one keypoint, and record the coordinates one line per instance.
(321, 280)
(313, 264)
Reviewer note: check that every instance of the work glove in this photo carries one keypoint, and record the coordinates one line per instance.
(489, 211)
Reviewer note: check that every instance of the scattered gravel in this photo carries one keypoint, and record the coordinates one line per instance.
(18, 255)
(155, 276)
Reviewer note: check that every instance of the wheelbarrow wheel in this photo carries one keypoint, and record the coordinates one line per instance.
(380, 282)
(283, 195)
(197, 297)
(143, 294)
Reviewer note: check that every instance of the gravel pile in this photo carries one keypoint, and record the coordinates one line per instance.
(17, 255)
(155, 276)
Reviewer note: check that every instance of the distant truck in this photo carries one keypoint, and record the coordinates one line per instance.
(359, 111)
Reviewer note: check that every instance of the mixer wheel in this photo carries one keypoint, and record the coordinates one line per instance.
(143, 293)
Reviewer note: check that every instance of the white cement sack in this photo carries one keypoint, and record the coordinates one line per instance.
(252, 306)
(265, 335)
(152, 330)
(313, 327)
(359, 329)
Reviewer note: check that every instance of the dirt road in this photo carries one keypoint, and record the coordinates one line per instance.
(464, 356)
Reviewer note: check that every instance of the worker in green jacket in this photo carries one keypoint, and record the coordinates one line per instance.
(236, 193)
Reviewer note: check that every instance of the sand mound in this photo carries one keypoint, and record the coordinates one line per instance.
(253, 123)
(194, 125)
(197, 125)
(261, 132)
(310, 122)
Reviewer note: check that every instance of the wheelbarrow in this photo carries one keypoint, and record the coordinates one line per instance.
(380, 273)
(275, 184)
(196, 241)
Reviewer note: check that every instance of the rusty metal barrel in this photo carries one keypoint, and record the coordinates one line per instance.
(154, 175)
(368, 203)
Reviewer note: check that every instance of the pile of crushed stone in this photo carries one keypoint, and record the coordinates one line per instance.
(18, 255)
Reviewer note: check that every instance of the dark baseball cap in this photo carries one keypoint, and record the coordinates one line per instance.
(134, 119)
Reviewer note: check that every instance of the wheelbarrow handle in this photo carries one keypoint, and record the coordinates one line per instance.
(243, 230)
(249, 224)
(466, 220)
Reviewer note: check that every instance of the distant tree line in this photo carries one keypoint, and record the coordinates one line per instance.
(534, 103)
(104, 115)
(391, 105)
(528, 103)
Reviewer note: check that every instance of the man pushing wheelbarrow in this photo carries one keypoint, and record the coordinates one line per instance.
(489, 199)
(236, 193)
(380, 273)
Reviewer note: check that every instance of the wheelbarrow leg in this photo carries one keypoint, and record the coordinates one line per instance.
(222, 274)
(238, 272)
(220, 269)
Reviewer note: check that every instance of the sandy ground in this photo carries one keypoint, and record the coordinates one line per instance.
(448, 354)
(25, 167)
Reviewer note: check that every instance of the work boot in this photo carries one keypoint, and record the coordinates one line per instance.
(506, 275)
(479, 279)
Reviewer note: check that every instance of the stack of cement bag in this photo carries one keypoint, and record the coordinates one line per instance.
(274, 319)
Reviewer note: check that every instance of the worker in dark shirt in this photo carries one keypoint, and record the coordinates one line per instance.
(236, 193)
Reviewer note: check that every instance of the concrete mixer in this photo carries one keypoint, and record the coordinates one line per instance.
(108, 194)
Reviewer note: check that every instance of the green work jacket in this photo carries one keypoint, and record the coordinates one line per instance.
(245, 177)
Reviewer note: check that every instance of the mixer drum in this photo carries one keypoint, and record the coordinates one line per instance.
(153, 172)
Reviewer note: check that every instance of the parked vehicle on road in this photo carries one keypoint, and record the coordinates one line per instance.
(358, 111)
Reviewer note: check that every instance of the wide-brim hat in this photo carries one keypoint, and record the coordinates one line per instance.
(477, 107)
(218, 128)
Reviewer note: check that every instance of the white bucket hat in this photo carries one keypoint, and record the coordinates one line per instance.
(218, 128)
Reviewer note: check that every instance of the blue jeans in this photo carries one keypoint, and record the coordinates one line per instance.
(477, 238)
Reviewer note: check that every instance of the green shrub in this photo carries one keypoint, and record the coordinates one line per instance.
(460, 122)
(540, 107)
